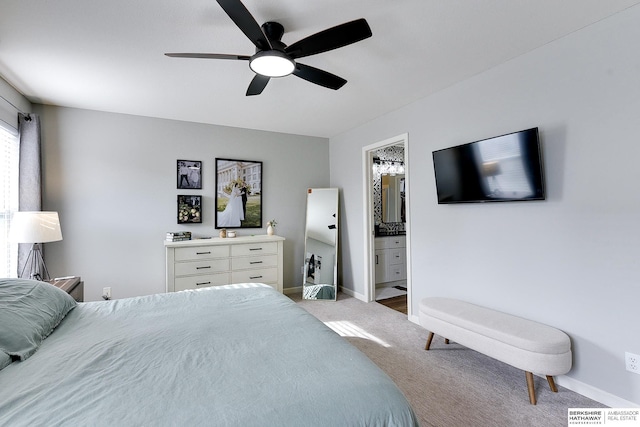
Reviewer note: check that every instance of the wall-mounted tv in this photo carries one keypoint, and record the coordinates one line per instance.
(500, 169)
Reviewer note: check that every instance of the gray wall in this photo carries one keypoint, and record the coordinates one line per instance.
(571, 261)
(112, 178)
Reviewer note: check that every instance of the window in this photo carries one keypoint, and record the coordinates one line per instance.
(8, 200)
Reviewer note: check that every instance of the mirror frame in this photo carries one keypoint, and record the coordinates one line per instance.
(397, 194)
(315, 250)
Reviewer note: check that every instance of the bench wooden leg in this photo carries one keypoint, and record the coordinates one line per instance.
(531, 387)
(552, 384)
(426, 347)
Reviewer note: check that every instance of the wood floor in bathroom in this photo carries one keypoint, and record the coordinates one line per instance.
(398, 303)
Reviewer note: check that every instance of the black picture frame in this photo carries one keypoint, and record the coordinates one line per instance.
(246, 177)
(189, 209)
(189, 174)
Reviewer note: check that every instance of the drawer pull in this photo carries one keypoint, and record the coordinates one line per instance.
(203, 253)
(200, 268)
(255, 249)
(203, 283)
(255, 277)
(255, 262)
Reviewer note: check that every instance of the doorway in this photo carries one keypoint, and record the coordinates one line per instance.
(387, 260)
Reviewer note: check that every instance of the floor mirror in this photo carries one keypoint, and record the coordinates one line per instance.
(321, 245)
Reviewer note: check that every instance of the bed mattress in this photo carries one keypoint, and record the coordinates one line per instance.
(237, 355)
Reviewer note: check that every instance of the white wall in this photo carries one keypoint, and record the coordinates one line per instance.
(112, 177)
(572, 261)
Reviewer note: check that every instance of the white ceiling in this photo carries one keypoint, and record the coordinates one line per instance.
(108, 55)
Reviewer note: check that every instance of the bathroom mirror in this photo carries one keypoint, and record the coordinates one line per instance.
(321, 245)
(393, 207)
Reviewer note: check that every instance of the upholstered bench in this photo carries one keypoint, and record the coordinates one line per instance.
(524, 344)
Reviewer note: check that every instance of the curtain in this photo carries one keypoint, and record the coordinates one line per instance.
(30, 184)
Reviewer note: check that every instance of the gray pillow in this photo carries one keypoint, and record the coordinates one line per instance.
(29, 311)
(5, 360)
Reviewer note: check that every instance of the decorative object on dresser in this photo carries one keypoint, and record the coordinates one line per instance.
(238, 194)
(213, 262)
(271, 227)
(189, 174)
(178, 236)
(189, 209)
(36, 228)
(73, 285)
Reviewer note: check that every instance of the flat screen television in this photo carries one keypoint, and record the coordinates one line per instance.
(500, 169)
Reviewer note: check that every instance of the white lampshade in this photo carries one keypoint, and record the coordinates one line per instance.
(35, 227)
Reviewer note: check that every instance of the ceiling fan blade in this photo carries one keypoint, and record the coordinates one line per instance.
(257, 85)
(329, 39)
(208, 56)
(246, 22)
(318, 76)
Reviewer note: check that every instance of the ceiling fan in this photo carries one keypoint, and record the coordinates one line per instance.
(274, 58)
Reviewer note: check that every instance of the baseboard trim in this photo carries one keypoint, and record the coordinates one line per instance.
(594, 393)
(354, 294)
(297, 289)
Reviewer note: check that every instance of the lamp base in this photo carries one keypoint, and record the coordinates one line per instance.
(38, 269)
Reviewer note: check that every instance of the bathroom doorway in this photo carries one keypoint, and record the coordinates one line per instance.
(386, 202)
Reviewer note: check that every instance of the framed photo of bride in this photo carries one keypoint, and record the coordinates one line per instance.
(238, 193)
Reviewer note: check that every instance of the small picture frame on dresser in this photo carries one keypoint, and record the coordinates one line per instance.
(189, 209)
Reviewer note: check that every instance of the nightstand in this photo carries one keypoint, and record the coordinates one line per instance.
(74, 286)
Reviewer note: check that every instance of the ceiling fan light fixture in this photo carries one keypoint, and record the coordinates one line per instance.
(272, 63)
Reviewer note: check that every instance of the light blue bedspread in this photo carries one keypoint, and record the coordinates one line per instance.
(221, 356)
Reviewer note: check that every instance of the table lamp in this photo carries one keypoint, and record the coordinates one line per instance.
(35, 228)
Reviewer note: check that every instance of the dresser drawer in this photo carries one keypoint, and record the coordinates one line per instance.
(254, 262)
(262, 275)
(254, 249)
(201, 267)
(201, 252)
(195, 282)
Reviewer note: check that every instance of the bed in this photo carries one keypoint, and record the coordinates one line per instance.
(235, 355)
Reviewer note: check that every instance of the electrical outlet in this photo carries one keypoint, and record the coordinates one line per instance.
(633, 362)
(106, 293)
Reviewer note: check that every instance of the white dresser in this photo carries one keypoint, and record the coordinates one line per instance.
(199, 263)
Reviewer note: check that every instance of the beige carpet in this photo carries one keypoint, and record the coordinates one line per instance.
(448, 385)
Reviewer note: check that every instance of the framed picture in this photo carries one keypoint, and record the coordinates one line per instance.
(189, 209)
(189, 174)
(238, 193)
